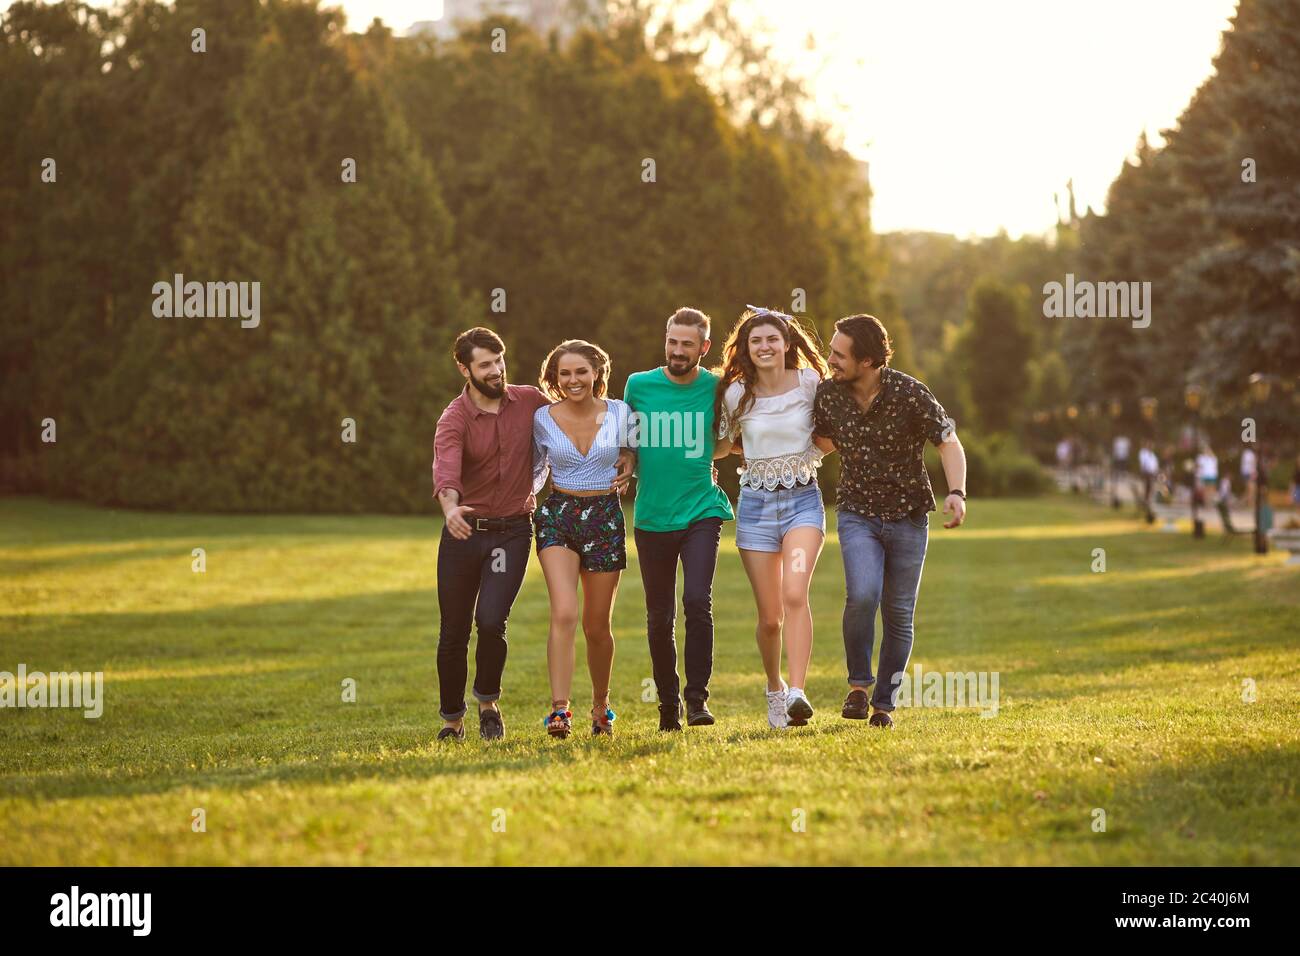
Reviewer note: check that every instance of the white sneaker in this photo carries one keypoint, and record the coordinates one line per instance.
(776, 704)
(798, 709)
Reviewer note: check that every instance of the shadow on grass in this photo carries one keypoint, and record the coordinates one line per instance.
(219, 634)
(338, 757)
(1236, 798)
(37, 522)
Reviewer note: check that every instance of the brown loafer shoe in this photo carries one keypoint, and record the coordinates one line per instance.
(857, 706)
(882, 720)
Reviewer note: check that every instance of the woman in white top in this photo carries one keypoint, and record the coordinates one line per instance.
(766, 389)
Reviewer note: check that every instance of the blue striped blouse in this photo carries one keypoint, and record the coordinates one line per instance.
(570, 469)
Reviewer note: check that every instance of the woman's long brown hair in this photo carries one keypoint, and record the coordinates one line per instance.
(801, 351)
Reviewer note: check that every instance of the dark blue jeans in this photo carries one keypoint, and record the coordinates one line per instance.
(478, 580)
(882, 570)
(658, 552)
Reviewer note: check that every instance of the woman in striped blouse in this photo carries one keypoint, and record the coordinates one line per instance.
(584, 439)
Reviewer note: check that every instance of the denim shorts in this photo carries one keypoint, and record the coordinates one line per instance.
(764, 517)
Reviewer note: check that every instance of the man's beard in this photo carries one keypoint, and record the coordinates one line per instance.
(682, 366)
(491, 391)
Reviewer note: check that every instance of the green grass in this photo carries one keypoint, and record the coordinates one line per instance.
(1119, 691)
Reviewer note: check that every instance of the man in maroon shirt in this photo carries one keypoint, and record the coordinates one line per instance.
(483, 477)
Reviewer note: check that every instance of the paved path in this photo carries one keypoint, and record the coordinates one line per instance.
(1094, 483)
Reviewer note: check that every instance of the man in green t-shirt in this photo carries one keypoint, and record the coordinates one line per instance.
(678, 512)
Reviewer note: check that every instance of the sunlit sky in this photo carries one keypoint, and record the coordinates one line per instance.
(972, 113)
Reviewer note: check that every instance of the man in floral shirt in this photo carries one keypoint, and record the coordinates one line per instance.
(880, 419)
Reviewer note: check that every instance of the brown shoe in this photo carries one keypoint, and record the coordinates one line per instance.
(882, 720)
(857, 706)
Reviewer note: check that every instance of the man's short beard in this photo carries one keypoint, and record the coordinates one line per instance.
(489, 390)
(690, 364)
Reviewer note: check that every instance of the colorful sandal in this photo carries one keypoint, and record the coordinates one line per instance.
(559, 723)
(604, 727)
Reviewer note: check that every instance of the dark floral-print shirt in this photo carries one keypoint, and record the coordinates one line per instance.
(882, 473)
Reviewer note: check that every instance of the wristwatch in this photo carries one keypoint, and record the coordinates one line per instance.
(959, 494)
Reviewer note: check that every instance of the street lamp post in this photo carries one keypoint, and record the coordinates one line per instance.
(1192, 395)
(1259, 389)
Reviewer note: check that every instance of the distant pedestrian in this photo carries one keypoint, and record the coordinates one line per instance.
(1225, 491)
(1149, 466)
(1249, 460)
(1207, 473)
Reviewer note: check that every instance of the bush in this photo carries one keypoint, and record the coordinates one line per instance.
(997, 466)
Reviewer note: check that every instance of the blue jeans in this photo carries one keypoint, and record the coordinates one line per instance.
(882, 569)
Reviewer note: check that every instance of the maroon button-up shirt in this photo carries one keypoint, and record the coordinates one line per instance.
(488, 456)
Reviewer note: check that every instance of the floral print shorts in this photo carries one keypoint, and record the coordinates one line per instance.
(591, 526)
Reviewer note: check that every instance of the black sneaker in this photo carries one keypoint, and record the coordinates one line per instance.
(882, 720)
(490, 724)
(698, 714)
(857, 706)
(670, 716)
(451, 733)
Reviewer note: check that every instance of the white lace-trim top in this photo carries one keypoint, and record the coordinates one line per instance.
(776, 431)
(784, 472)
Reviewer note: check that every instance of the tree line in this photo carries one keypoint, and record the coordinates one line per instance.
(388, 192)
(498, 186)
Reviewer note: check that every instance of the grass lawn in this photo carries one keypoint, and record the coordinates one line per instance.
(1119, 690)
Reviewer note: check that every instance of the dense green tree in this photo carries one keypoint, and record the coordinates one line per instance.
(358, 280)
(997, 344)
(1212, 219)
(475, 171)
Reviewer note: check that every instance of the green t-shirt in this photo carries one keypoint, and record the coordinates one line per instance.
(674, 436)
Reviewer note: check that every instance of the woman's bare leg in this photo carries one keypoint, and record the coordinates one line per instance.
(800, 550)
(599, 589)
(764, 570)
(560, 568)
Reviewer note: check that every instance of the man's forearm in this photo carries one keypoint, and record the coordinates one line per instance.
(448, 498)
(953, 457)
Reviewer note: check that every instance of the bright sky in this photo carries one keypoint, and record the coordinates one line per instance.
(972, 113)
